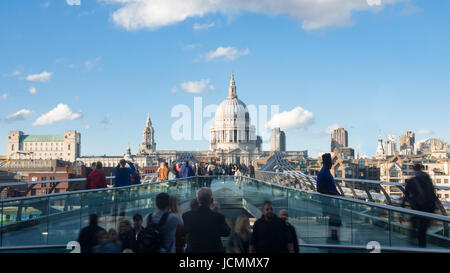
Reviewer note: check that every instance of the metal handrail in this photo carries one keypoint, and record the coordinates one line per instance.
(353, 180)
(382, 248)
(13, 248)
(321, 246)
(26, 183)
(367, 203)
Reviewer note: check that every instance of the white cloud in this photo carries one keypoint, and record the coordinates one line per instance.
(45, 5)
(4, 96)
(106, 120)
(191, 46)
(42, 77)
(19, 115)
(202, 26)
(424, 132)
(32, 90)
(90, 64)
(15, 73)
(228, 53)
(312, 14)
(196, 87)
(296, 118)
(59, 113)
(73, 2)
(332, 127)
(87, 127)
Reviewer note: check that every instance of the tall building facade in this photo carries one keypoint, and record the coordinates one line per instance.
(339, 139)
(406, 143)
(390, 146)
(277, 140)
(65, 147)
(339, 142)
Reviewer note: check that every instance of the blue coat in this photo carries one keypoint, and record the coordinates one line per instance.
(123, 175)
(325, 182)
(186, 171)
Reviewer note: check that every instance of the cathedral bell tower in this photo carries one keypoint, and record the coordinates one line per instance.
(148, 143)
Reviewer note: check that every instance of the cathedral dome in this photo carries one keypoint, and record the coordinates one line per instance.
(232, 112)
(232, 128)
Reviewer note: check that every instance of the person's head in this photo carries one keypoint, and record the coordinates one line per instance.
(98, 165)
(418, 167)
(93, 219)
(283, 214)
(123, 162)
(101, 236)
(204, 196)
(242, 224)
(178, 165)
(186, 163)
(174, 204)
(161, 165)
(162, 201)
(124, 226)
(326, 161)
(93, 165)
(215, 206)
(267, 210)
(112, 235)
(137, 221)
(194, 204)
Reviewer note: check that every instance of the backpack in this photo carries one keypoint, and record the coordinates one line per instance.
(425, 198)
(151, 241)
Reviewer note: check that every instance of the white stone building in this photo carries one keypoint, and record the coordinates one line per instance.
(65, 147)
(232, 137)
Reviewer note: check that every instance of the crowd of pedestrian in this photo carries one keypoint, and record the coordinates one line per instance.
(166, 172)
(200, 230)
(124, 176)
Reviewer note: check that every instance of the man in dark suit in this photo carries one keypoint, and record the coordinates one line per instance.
(204, 228)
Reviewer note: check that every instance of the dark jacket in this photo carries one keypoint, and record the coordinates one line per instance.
(88, 238)
(325, 182)
(186, 171)
(123, 175)
(204, 229)
(131, 241)
(271, 236)
(294, 236)
(96, 180)
(419, 192)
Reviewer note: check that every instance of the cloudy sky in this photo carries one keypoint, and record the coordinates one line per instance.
(100, 66)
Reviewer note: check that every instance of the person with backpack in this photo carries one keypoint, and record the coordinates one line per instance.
(160, 228)
(420, 194)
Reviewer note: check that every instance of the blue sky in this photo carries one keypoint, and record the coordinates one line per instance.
(107, 64)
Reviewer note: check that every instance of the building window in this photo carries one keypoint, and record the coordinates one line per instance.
(438, 181)
(445, 181)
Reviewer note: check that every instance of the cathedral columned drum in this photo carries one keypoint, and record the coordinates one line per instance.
(232, 137)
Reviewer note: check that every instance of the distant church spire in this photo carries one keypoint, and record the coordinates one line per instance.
(232, 88)
(149, 122)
